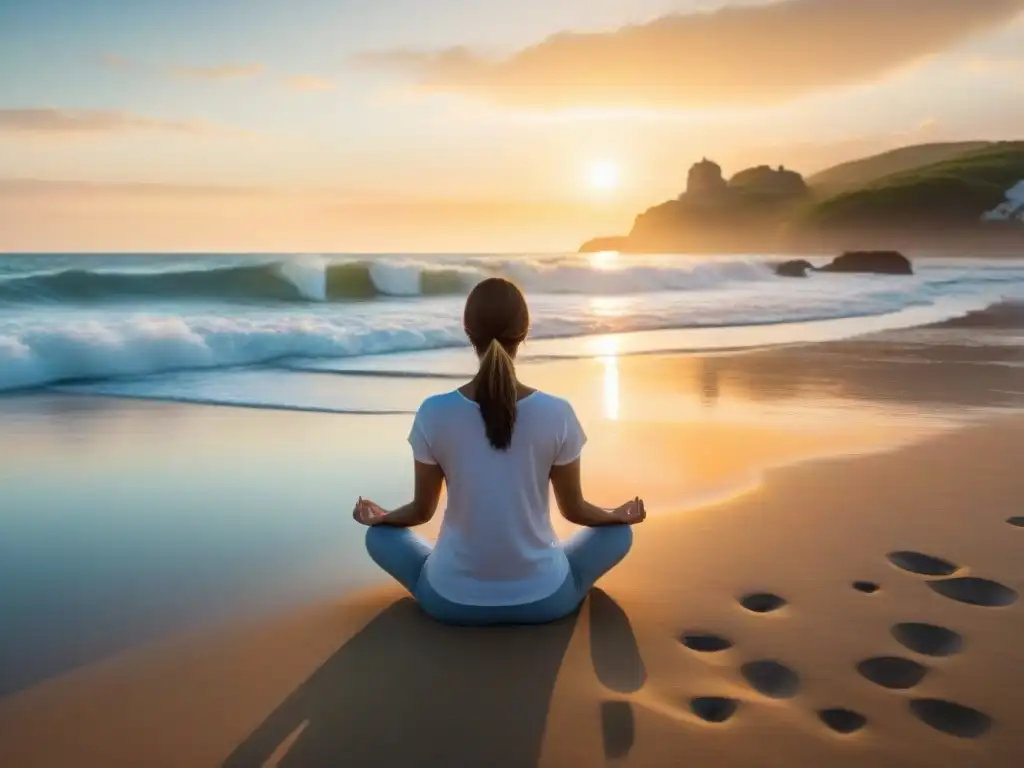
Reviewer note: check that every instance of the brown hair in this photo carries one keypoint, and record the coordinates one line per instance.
(496, 321)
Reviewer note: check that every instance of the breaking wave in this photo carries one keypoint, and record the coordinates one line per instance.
(284, 280)
(85, 318)
(50, 352)
(319, 279)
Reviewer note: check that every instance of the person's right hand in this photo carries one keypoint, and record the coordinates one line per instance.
(368, 512)
(630, 513)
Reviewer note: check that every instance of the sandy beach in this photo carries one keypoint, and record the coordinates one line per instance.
(732, 635)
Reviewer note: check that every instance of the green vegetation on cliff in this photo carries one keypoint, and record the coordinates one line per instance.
(859, 173)
(952, 193)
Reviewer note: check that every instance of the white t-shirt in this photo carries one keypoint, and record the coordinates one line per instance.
(496, 545)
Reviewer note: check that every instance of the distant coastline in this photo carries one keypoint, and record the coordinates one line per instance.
(941, 198)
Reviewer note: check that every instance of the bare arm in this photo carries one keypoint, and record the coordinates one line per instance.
(565, 479)
(429, 479)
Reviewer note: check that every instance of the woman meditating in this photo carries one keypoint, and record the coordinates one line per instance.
(497, 443)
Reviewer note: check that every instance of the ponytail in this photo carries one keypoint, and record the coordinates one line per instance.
(496, 394)
(496, 320)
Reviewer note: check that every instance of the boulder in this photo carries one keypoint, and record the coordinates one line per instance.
(871, 262)
(793, 268)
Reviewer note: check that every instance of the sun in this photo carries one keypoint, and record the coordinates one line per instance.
(604, 176)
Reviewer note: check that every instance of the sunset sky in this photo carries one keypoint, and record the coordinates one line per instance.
(434, 125)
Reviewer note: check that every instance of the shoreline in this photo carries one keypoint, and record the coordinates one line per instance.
(195, 700)
(711, 340)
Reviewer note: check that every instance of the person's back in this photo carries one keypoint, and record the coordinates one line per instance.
(497, 444)
(497, 544)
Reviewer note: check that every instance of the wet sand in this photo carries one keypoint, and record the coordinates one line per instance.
(831, 576)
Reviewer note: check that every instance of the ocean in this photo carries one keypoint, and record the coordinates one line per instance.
(237, 329)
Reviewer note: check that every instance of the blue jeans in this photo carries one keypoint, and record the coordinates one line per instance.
(591, 553)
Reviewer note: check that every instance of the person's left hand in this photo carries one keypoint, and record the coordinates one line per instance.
(631, 513)
(368, 512)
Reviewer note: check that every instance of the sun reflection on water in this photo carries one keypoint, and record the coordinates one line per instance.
(609, 357)
(604, 259)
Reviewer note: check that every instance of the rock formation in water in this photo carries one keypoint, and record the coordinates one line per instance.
(858, 262)
(793, 268)
(871, 262)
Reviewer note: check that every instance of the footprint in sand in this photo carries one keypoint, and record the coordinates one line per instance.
(613, 647)
(951, 718)
(618, 729)
(867, 587)
(842, 721)
(705, 642)
(618, 665)
(892, 672)
(714, 709)
(772, 679)
(922, 564)
(974, 591)
(1017, 521)
(928, 639)
(762, 602)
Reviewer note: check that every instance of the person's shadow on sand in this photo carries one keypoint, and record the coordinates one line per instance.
(407, 690)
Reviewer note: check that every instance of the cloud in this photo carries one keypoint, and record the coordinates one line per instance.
(740, 55)
(994, 65)
(46, 121)
(23, 188)
(215, 73)
(812, 156)
(220, 72)
(309, 83)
